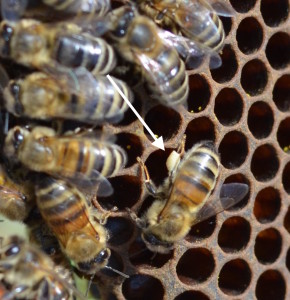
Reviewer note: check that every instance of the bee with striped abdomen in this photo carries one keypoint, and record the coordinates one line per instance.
(67, 214)
(33, 275)
(79, 158)
(183, 199)
(139, 41)
(14, 10)
(79, 7)
(37, 45)
(196, 19)
(75, 96)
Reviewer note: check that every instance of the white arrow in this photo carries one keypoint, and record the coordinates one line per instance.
(158, 142)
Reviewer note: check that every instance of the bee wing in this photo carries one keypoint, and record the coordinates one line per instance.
(230, 194)
(154, 70)
(96, 183)
(191, 51)
(222, 8)
(96, 25)
(81, 82)
(12, 10)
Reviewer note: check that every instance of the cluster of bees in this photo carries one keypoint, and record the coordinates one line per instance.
(59, 173)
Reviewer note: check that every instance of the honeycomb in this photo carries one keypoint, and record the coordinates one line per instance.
(244, 108)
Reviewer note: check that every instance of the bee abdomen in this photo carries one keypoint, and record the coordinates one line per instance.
(98, 7)
(197, 177)
(174, 89)
(111, 161)
(91, 53)
(109, 103)
(60, 205)
(213, 36)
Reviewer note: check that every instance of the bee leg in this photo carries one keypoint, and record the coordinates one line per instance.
(100, 216)
(139, 222)
(106, 215)
(181, 147)
(151, 188)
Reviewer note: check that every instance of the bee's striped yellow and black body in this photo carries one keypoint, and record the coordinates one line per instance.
(67, 214)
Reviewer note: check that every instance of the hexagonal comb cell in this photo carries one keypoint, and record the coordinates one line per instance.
(267, 205)
(243, 6)
(278, 49)
(268, 245)
(234, 277)
(274, 12)
(233, 149)
(249, 35)
(142, 287)
(199, 93)
(228, 106)
(127, 191)
(271, 286)
(281, 93)
(234, 234)
(228, 68)
(195, 266)
(260, 119)
(189, 295)
(265, 163)
(254, 77)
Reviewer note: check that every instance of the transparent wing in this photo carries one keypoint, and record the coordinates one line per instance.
(94, 89)
(95, 184)
(190, 51)
(12, 10)
(156, 76)
(223, 8)
(230, 194)
(95, 25)
(194, 16)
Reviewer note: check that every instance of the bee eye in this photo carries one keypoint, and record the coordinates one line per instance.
(13, 250)
(14, 89)
(103, 255)
(18, 138)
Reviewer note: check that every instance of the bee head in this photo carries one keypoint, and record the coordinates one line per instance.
(155, 244)
(121, 20)
(97, 263)
(13, 141)
(88, 253)
(6, 32)
(12, 98)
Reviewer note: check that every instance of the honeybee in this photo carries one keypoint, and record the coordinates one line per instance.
(35, 44)
(138, 40)
(78, 158)
(75, 96)
(92, 7)
(183, 199)
(65, 210)
(16, 196)
(13, 10)
(33, 275)
(196, 19)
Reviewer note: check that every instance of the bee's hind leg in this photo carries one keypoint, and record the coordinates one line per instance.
(181, 147)
(151, 188)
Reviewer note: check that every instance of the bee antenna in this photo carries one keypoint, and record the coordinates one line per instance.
(89, 284)
(117, 271)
